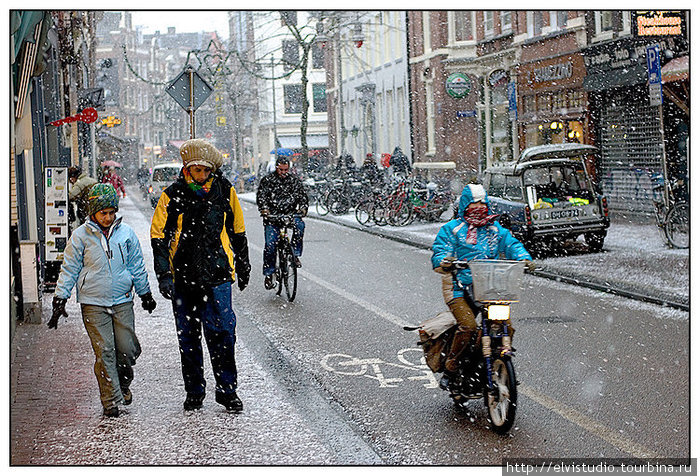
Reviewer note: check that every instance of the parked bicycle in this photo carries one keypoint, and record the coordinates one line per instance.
(672, 214)
(286, 271)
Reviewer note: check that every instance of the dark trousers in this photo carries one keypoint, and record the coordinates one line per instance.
(211, 309)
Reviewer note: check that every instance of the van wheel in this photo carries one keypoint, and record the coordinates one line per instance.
(594, 241)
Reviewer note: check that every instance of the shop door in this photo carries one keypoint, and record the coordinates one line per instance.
(631, 151)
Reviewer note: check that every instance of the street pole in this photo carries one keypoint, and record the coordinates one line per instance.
(339, 78)
(190, 109)
(274, 106)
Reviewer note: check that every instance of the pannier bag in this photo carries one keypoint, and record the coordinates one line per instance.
(435, 337)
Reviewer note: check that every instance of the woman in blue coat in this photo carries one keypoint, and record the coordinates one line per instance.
(103, 261)
(474, 234)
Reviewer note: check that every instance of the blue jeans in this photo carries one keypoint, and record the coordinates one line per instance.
(272, 236)
(113, 338)
(195, 308)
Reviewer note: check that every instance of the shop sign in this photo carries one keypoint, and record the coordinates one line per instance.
(562, 72)
(498, 78)
(624, 54)
(658, 23)
(458, 85)
(55, 212)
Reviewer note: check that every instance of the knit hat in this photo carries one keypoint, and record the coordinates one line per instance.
(101, 196)
(200, 152)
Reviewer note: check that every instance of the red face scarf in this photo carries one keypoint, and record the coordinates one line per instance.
(477, 217)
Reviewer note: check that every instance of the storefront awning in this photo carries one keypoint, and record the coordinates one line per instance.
(675, 70)
(313, 141)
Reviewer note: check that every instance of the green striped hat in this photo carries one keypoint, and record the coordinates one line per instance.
(102, 195)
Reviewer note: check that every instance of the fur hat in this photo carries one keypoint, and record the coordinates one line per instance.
(101, 196)
(200, 152)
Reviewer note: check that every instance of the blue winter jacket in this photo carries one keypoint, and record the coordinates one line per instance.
(492, 242)
(103, 269)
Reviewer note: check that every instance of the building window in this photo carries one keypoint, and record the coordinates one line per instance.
(603, 21)
(290, 55)
(463, 25)
(319, 94)
(506, 21)
(558, 19)
(534, 23)
(430, 117)
(292, 98)
(488, 23)
(316, 56)
(289, 17)
(626, 21)
(426, 32)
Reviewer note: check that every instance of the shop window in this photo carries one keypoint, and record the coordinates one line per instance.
(497, 184)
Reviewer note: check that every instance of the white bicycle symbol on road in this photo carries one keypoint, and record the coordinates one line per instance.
(344, 364)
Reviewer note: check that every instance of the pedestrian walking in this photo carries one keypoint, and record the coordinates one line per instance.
(199, 249)
(103, 260)
(81, 184)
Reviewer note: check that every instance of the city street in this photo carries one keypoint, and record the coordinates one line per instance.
(332, 378)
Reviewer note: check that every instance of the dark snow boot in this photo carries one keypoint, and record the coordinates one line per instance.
(270, 281)
(128, 397)
(230, 401)
(111, 412)
(193, 401)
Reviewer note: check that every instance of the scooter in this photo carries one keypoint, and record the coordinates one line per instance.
(485, 369)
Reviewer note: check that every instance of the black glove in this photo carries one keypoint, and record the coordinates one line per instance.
(147, 302)
(447, 263)
(243, 275)
(166, 286)
(59, 309)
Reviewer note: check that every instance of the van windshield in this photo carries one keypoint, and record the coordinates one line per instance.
(166, 174)
(560, 181)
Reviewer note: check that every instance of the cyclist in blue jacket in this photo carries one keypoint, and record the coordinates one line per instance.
(474, 234)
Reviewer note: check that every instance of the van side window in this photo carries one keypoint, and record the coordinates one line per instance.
(514, 189)
(496, 184)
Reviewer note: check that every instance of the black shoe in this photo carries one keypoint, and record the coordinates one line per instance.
(230, 401)
(270, 281)
(445, 382)
(112, 412)
(297, 262)
(193, 401)
(128, 397)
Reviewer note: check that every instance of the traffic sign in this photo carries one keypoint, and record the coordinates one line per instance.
(189, 89)
(654, 75)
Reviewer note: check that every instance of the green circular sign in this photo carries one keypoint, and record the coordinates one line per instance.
(458, 85)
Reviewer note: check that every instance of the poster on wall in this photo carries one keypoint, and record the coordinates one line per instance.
(56, 212)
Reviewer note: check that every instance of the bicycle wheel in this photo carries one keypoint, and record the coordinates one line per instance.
(379, 213)
(322, 205)
(290, 278)
(677, 226)
(363, 212)
(338, 203)
(281, 271)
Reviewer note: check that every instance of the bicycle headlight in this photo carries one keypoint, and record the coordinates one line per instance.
(499, 312)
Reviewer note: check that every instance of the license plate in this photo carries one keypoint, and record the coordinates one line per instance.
(569, 213)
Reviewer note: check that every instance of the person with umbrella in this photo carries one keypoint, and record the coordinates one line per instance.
(112, 177)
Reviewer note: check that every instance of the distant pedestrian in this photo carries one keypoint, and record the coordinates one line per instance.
(103, 260)
(400, 162)
(112, 177)
(199, 249)
(81, 183)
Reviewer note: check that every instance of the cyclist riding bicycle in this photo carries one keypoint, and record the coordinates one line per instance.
(281, 193)
(473, 234)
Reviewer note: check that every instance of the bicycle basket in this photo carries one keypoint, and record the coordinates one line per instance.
(496, 280)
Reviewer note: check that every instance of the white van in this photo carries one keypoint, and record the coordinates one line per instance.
(163, 175)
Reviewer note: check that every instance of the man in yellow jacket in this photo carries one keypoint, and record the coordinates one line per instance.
(199, 249)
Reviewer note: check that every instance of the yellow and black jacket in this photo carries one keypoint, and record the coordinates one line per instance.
(200, 240)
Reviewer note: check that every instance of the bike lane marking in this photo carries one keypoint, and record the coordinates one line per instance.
(568, 413)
